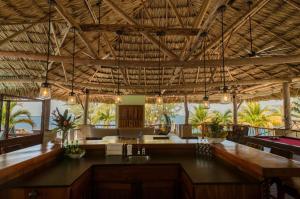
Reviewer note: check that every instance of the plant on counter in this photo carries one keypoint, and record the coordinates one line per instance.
(73, 150)
(216, 133)
(63, 122)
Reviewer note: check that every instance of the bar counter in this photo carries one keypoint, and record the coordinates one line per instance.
(236, 171)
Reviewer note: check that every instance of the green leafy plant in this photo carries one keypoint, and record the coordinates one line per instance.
(216, 129)
(63, 122)
(73, 148)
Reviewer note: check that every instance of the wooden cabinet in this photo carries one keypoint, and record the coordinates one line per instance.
(136, 182)
(80, 189)
(131, 116)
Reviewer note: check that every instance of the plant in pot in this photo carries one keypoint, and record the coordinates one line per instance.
(216, 133)
(73, 150)
(64, 123)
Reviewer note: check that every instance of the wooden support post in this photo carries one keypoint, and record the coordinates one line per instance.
(46, 105)
(1, 110)
(186, 109)
(286, 105)
(235, 109)
(7, 116)
(86, 107)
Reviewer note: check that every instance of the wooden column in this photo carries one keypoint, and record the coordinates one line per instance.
(186, 110)
(235, 109)
(1, 110)
(47, 107)
(86, 107)
(7, 116)
(286, 105)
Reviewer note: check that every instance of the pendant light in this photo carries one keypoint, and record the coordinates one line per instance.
(72, 97)
(225, 98)
(159, 98)
(118, 98)
(45, 90)
(205, 100)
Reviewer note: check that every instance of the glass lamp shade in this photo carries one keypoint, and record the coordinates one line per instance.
(45, 91)
(118, 99)
(71, 99)
(206, 104)
(159, 100)
(225, 98)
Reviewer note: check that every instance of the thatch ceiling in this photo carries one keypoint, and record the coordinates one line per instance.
(276, 33)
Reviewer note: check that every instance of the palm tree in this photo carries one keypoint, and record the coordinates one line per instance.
(296, 112)
(253, 114)
(223, 118)
(199, 116)
(17, 116)
(104, 113)
(155, 113)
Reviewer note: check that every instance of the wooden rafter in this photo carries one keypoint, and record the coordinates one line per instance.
(236, 62)
(64, 13)
(131, 21)
(172, 5)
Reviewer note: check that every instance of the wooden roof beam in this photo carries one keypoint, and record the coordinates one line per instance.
(200, 85)
(293, 4)
(235, 26)
(63, 12)
(14, 35)
(129, 20)
(235, 62)
(172, 5)
(127, 29)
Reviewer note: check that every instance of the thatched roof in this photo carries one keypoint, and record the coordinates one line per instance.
(276, 40)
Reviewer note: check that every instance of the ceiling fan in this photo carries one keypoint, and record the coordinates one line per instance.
(267, 51)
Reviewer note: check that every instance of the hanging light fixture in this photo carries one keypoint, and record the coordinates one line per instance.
(118, 98)
(45, 90)
(159, 98)
(72, 97)
(205, 100)
(225, 98)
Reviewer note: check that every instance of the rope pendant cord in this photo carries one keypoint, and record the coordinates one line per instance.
(250, 28)
(223, 55)
(204, 63)
(159, 68)
(73, 58)
(99, 20)
(119, 54)
(49, 32)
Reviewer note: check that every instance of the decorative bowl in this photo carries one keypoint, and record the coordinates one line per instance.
(215, 140)
(76, 155)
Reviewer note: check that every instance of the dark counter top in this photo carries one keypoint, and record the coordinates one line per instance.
(200, 170)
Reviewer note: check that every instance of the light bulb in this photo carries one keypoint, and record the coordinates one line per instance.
(206, 104)
(118, 99)
(71, 99)
(45, 91)
(159, 100)
(226, 98)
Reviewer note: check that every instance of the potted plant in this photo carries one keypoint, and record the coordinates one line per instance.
(216, 133)
(73, 150)
(63, 122)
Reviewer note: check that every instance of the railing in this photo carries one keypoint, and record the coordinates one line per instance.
(16, 143)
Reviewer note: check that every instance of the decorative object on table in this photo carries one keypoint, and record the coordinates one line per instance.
(204, 150)
(73, 150)
(215, 133)
(63, 122)
(166, 127)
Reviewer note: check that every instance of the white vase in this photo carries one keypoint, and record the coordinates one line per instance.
(215, 140)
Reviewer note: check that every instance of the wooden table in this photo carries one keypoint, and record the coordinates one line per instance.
(20, 162)
(255, 162)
